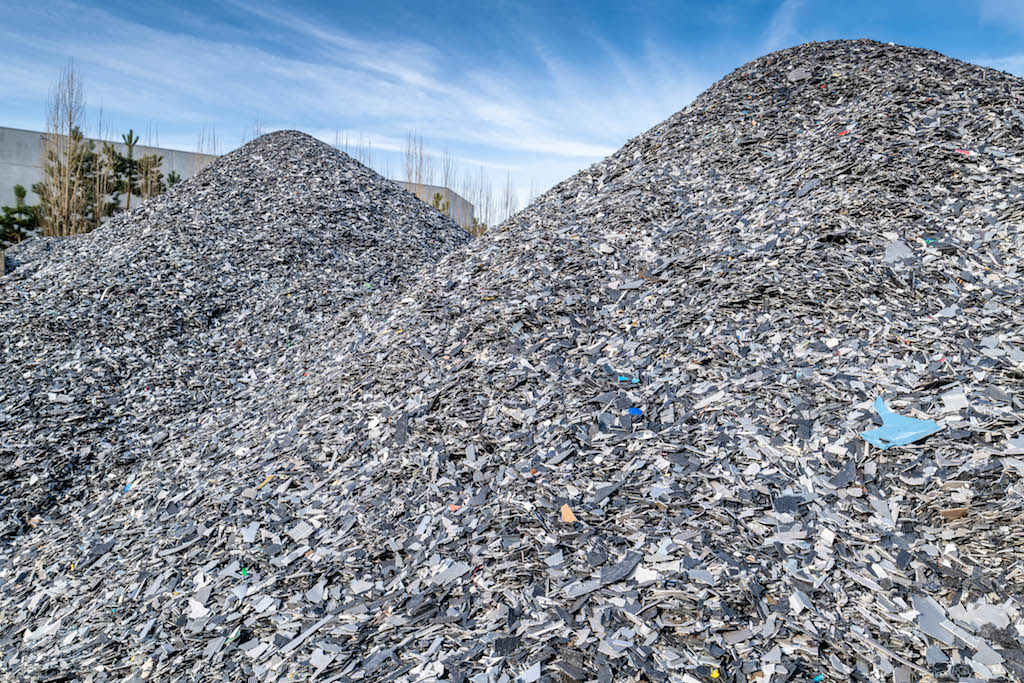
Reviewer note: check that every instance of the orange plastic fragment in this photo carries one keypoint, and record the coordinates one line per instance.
(567, 514)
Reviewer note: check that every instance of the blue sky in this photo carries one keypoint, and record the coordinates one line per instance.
(537, 89)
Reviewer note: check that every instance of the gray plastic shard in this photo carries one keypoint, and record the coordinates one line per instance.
(898, 251)
(931, 619)
(620, 570)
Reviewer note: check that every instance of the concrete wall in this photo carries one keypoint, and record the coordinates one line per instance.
(21, 153)
(459, 209)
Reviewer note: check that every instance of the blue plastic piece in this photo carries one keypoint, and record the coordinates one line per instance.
(623, 378)
(897, 430)
(819, 678)
(635, 411)
(635, 380)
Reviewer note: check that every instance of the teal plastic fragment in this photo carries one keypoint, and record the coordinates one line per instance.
(897, 430)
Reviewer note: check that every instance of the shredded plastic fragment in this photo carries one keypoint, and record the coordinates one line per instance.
(897, 430)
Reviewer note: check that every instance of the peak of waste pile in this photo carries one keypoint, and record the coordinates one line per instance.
(117, 339)
(620, 437)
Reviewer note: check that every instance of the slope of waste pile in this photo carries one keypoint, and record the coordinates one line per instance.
(117, 340)
(634, 434)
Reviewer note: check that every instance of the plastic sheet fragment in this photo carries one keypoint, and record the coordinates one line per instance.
(897, 430)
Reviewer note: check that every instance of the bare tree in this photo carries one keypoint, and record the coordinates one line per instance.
(466, 185)
(477, 197)
(447, 178)
(485, 199)
(206, 148)
(409, 157)
(424, 166)
(63, 196)
(418, 165)
(367, 151)
(103, 175)
(509, 200)
(467, 188)
(151, 179)
(361, 151)
(258, 129)
(152, 138)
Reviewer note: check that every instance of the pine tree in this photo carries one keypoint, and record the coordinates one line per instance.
(18, 221)
(129, 167)
(114, 163)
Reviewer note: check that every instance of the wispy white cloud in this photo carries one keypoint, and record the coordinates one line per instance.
(543, 123)
(486, 109)
(562, 118)
(352, 138)
(782, 27)
(1005, 13)
(1013, 64)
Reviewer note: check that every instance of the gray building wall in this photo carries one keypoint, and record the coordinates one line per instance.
(21, 154)
(460, 210)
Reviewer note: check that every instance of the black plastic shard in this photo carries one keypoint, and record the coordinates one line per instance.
(620, 571)
(402, 429)
(847, 475)
(505, 646)
(788, 504)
